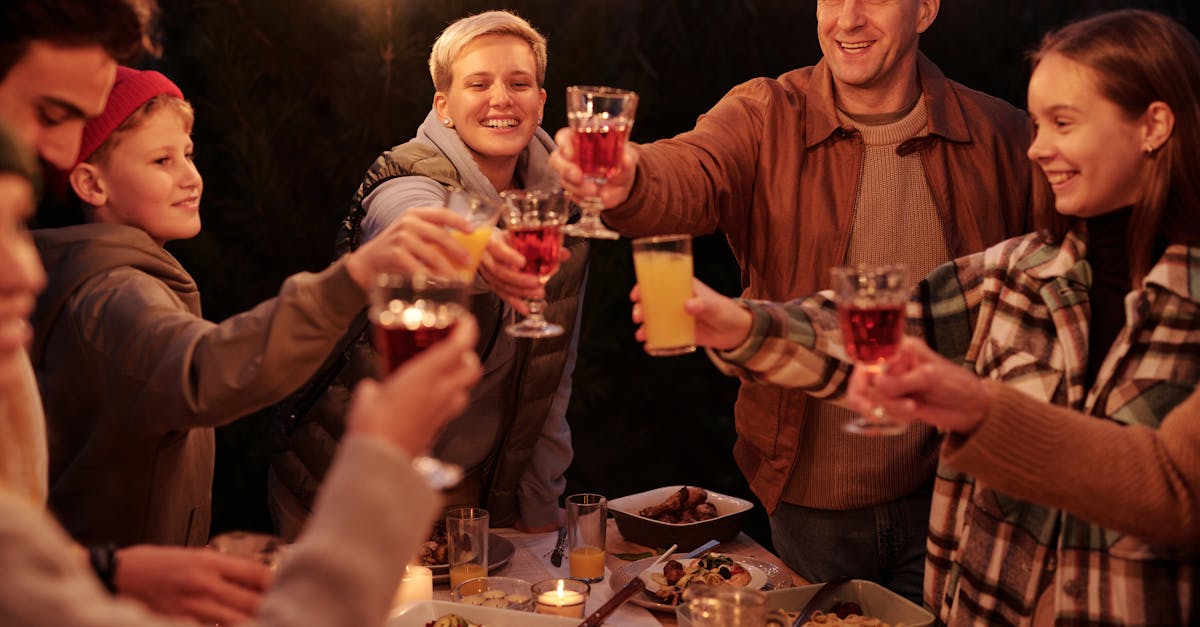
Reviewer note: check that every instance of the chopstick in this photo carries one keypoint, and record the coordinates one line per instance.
(635, 585)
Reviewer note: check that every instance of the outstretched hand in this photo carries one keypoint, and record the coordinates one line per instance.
(418, 241)
(200, 584)
(612, 193)
(411, 405)
(721, 323)
(920, 385)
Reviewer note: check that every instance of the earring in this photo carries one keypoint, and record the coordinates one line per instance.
(447, 122)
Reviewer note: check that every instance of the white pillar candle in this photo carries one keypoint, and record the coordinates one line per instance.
(417, 585)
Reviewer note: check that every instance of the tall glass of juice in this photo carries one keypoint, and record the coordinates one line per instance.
(467, 543)
(587, 526)
(663, 265)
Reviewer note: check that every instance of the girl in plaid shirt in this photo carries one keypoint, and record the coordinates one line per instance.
(1043, 514)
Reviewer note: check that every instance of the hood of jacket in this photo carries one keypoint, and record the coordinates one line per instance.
(74, 254)
(533, 164)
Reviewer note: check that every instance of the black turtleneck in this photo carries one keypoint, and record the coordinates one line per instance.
(1108, 254)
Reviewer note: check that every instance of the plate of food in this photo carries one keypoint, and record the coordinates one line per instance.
(665, 583)
(433, 553)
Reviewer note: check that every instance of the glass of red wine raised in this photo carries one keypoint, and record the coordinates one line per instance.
(601, 118)
(411, 313)
(870, 302)
(534, 222)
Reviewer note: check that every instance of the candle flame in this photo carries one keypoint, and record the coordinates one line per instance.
(560, 588)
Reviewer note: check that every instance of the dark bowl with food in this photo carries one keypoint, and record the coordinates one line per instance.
(683, 515)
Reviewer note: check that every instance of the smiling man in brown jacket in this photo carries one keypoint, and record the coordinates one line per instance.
(870, 156)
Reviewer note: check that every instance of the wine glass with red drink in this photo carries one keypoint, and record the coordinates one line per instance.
(534, 223)
(870, 303)
(601, 118)
(410, 313)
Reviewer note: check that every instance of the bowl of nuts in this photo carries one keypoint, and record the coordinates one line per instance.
(502, 592)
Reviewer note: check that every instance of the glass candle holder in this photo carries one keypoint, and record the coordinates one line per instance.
(561, 597)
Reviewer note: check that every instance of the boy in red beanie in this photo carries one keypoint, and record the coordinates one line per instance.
(139, 377)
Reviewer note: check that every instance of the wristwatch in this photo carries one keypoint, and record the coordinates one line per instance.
(103, 558)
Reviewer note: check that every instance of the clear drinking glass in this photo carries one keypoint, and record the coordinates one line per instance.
(870, 302)
(534, 222)
(481, 213)
(602, 118)
(410, 313)
(262, 547)
(663, 265)
(587, 524)
(467, 543)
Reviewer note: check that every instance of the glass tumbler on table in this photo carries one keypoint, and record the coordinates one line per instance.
(870, 303)
(410, 313)
(467, 544)
(587, 524)
(534, 222)
(601, 118)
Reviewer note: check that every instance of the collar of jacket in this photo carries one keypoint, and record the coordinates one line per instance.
(946, 117)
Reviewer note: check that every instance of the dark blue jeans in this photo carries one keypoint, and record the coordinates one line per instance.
(883, 543)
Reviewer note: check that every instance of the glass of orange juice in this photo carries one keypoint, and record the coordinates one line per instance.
(467, 544)
(663, 265)
(482, 214)
(587, 524)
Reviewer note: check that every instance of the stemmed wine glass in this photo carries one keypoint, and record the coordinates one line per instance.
(601, 118)
(534, 221)
(410, 313)
(870, 302)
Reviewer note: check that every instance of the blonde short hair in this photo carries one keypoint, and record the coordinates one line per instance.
(461, 33)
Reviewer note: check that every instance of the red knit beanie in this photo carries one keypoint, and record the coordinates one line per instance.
(131, 90)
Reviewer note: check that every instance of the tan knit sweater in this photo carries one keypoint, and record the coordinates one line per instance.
(895, 221)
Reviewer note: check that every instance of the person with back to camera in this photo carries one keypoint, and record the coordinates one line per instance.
(133, 379)
(870, 155)
(57, 62)
(1044, 515)
(482, 135)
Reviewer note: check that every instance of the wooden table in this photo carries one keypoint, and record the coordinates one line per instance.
(531, 562)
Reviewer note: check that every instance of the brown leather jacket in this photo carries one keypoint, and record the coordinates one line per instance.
(772, 167)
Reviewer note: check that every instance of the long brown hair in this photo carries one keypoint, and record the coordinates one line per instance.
(1140, 57)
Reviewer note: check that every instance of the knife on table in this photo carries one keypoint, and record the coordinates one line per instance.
(559, 546)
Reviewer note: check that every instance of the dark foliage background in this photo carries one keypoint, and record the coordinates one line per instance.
(295, 98)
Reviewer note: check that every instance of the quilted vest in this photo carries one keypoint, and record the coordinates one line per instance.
(307, 442)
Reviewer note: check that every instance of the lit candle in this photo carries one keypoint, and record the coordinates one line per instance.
(417, 585)
(561, 602)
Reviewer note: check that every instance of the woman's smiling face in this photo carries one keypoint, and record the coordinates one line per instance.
(1091, 151)
(494, 101)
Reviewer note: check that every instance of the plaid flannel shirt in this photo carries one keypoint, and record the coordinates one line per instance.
(1019, 313)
